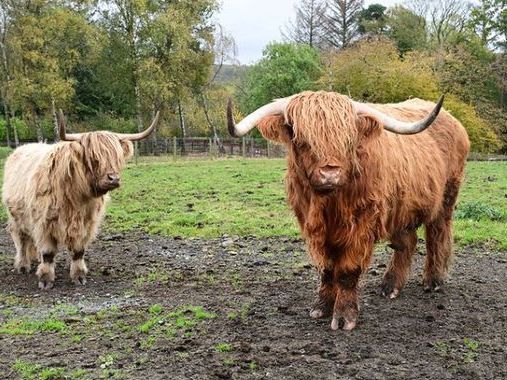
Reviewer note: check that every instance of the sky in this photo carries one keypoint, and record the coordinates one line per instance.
(255, 23)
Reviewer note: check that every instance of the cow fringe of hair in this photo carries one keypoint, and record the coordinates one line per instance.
(314, 119)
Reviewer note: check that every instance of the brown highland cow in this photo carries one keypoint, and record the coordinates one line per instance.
(56, 194)
(359, 173)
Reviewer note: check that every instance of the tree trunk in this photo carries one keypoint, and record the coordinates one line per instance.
(55, 121)
(212, 125)
(7, 120)
(182, 126)
(14, 130)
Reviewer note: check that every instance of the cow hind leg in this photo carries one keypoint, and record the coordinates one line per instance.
(78, 269)
(46, 269)
(404, 244)
(439, 242)
(22, 261)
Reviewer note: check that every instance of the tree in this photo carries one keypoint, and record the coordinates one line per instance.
(445, 18)
(374, 72)
(406, 28)
(284, 70)
(342, 22)
(308, 27)
(372, 19)
(44, 45)
(489, 21)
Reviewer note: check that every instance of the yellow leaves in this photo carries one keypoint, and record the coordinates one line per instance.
(374, 71)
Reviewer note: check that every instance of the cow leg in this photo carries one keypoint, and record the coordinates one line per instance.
(404, 244)
(78, 269)
(46, 269)
(22, 261)
(346, 308)
(326, 295)
(439, 241)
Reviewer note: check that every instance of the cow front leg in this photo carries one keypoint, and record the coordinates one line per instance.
(325, 296)
(46, 270)
(78, 269)
(346, 308)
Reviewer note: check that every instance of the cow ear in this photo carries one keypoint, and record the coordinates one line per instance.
(369, 126)
(128, 148)
(275, 128)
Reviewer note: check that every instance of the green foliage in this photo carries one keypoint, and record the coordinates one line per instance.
(372, 19)
(406, 28)
(285, 69)
(373, 71)
(475, 210)
(482, 137)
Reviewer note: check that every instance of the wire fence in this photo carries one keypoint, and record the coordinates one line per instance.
(202, 147)
(246, 147)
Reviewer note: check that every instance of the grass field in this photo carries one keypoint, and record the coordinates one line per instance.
(210, 198)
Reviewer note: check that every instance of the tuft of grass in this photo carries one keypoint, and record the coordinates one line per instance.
(30, 327)
(475, 210)
(30, 371)
(223, 347)
(184, 318)
(155, 309)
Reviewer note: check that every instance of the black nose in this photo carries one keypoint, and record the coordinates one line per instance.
(113, 178)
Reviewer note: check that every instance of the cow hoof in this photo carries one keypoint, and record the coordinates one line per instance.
(24, 270)
(80, 281)
(317, 314)
(346, 325)
(388, 291)
(433, 285)
(45, 284)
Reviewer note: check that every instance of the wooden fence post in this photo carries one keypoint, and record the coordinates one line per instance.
(269, 149)
(174, 147)
(243, 147)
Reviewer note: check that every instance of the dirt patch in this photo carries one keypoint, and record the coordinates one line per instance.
(238, 308)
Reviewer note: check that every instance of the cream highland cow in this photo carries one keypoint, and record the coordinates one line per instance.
(56, 194)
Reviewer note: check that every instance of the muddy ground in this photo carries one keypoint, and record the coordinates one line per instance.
(165, 308)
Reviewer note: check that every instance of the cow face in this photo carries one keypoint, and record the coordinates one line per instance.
(324, 148)
(104, 155)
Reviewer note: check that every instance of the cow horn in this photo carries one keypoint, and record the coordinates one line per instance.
(62, 125)
(397, 126)
(277, 107)
(141, 135)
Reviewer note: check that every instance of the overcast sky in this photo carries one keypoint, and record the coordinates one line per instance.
(255, 23)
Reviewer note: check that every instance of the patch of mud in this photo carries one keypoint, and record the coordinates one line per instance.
(237, 308)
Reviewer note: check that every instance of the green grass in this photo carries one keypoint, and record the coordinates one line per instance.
(30, 371)
(210, 198)
(203, 199)
(30, 327)
(481, 215)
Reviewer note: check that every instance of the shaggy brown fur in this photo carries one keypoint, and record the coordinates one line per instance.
(391, 184)
(56, 195)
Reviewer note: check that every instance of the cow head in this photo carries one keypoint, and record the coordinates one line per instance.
(324, 132)
(102, 154)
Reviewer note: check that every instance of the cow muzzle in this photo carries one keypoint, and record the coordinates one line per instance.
(327, 178)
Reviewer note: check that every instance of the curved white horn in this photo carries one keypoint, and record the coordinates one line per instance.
(277, 107)
(397, 126)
